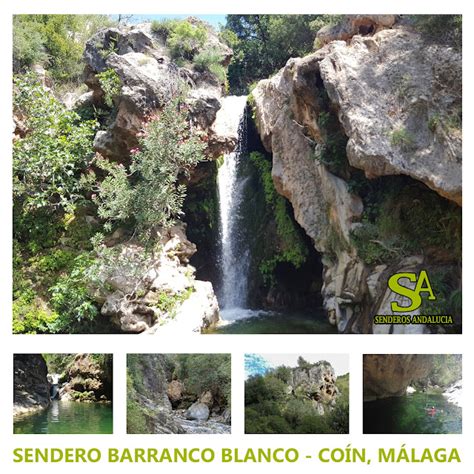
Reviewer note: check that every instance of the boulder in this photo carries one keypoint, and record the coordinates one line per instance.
(352, 25)
(197, 411)
(156, 292)
(175, 391)
(207, 398)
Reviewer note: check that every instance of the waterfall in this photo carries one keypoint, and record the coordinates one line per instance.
(234, 253)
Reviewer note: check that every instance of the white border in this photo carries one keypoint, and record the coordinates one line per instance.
(355, 345)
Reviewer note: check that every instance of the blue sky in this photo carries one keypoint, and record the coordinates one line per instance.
(214, 20)
(339, 362)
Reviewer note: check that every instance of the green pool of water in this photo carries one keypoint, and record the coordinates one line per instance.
(245, 321)
(411, 414)
(68, 418)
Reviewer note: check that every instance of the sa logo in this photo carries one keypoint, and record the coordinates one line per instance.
(422, 286)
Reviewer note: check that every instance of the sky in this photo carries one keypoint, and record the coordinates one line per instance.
(339, 362)
(214, 20)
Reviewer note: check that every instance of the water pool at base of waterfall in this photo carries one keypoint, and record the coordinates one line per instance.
(63, 417)
(252, 321)
(412, 414)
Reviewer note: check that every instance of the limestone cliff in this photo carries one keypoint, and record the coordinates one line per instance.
(386, 101)
(88, 378)
(144, 293)
(317, 383)
(147, 395)
(30, 383)
(389, 375)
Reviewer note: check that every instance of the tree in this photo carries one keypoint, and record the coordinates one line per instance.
(302, 363)
(263, 43)
(55, 41)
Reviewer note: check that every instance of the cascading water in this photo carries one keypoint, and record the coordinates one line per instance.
(239, 215)
(235, 255)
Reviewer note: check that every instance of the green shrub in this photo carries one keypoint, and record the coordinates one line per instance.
(293, 249)
(30, 316)
(262, 44)
(185, 39)
(47, 162)
(148, 193)
(163, 27)
(270, 408)
(28, 43)
(70, 298)
(110, 84)
(55, 41)
(202, 372)
(440, 28)
(210, 60)
(403, 217)
(402, 139)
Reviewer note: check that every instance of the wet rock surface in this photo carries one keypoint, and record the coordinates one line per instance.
(30, 384)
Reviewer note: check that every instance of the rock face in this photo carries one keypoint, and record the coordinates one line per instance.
(175, 392)
(30, 383)
(144, 291)
(148, 290)
(152, 393)
(392, 96)
(149, 79)
(353, 25)
(317, 383)
(395, 108)
(88, 381)
(389, 375)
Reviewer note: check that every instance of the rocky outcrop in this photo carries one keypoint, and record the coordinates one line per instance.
(154, 292)
(30, 384)
(396, 108)
(317, 383)
(143, 291)
(389, 375)
(149, 78)
(151, 393)
(454, 393)
(352, 25)
(88, 380)
(175, 392)
(392, 96)
(321, 201)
